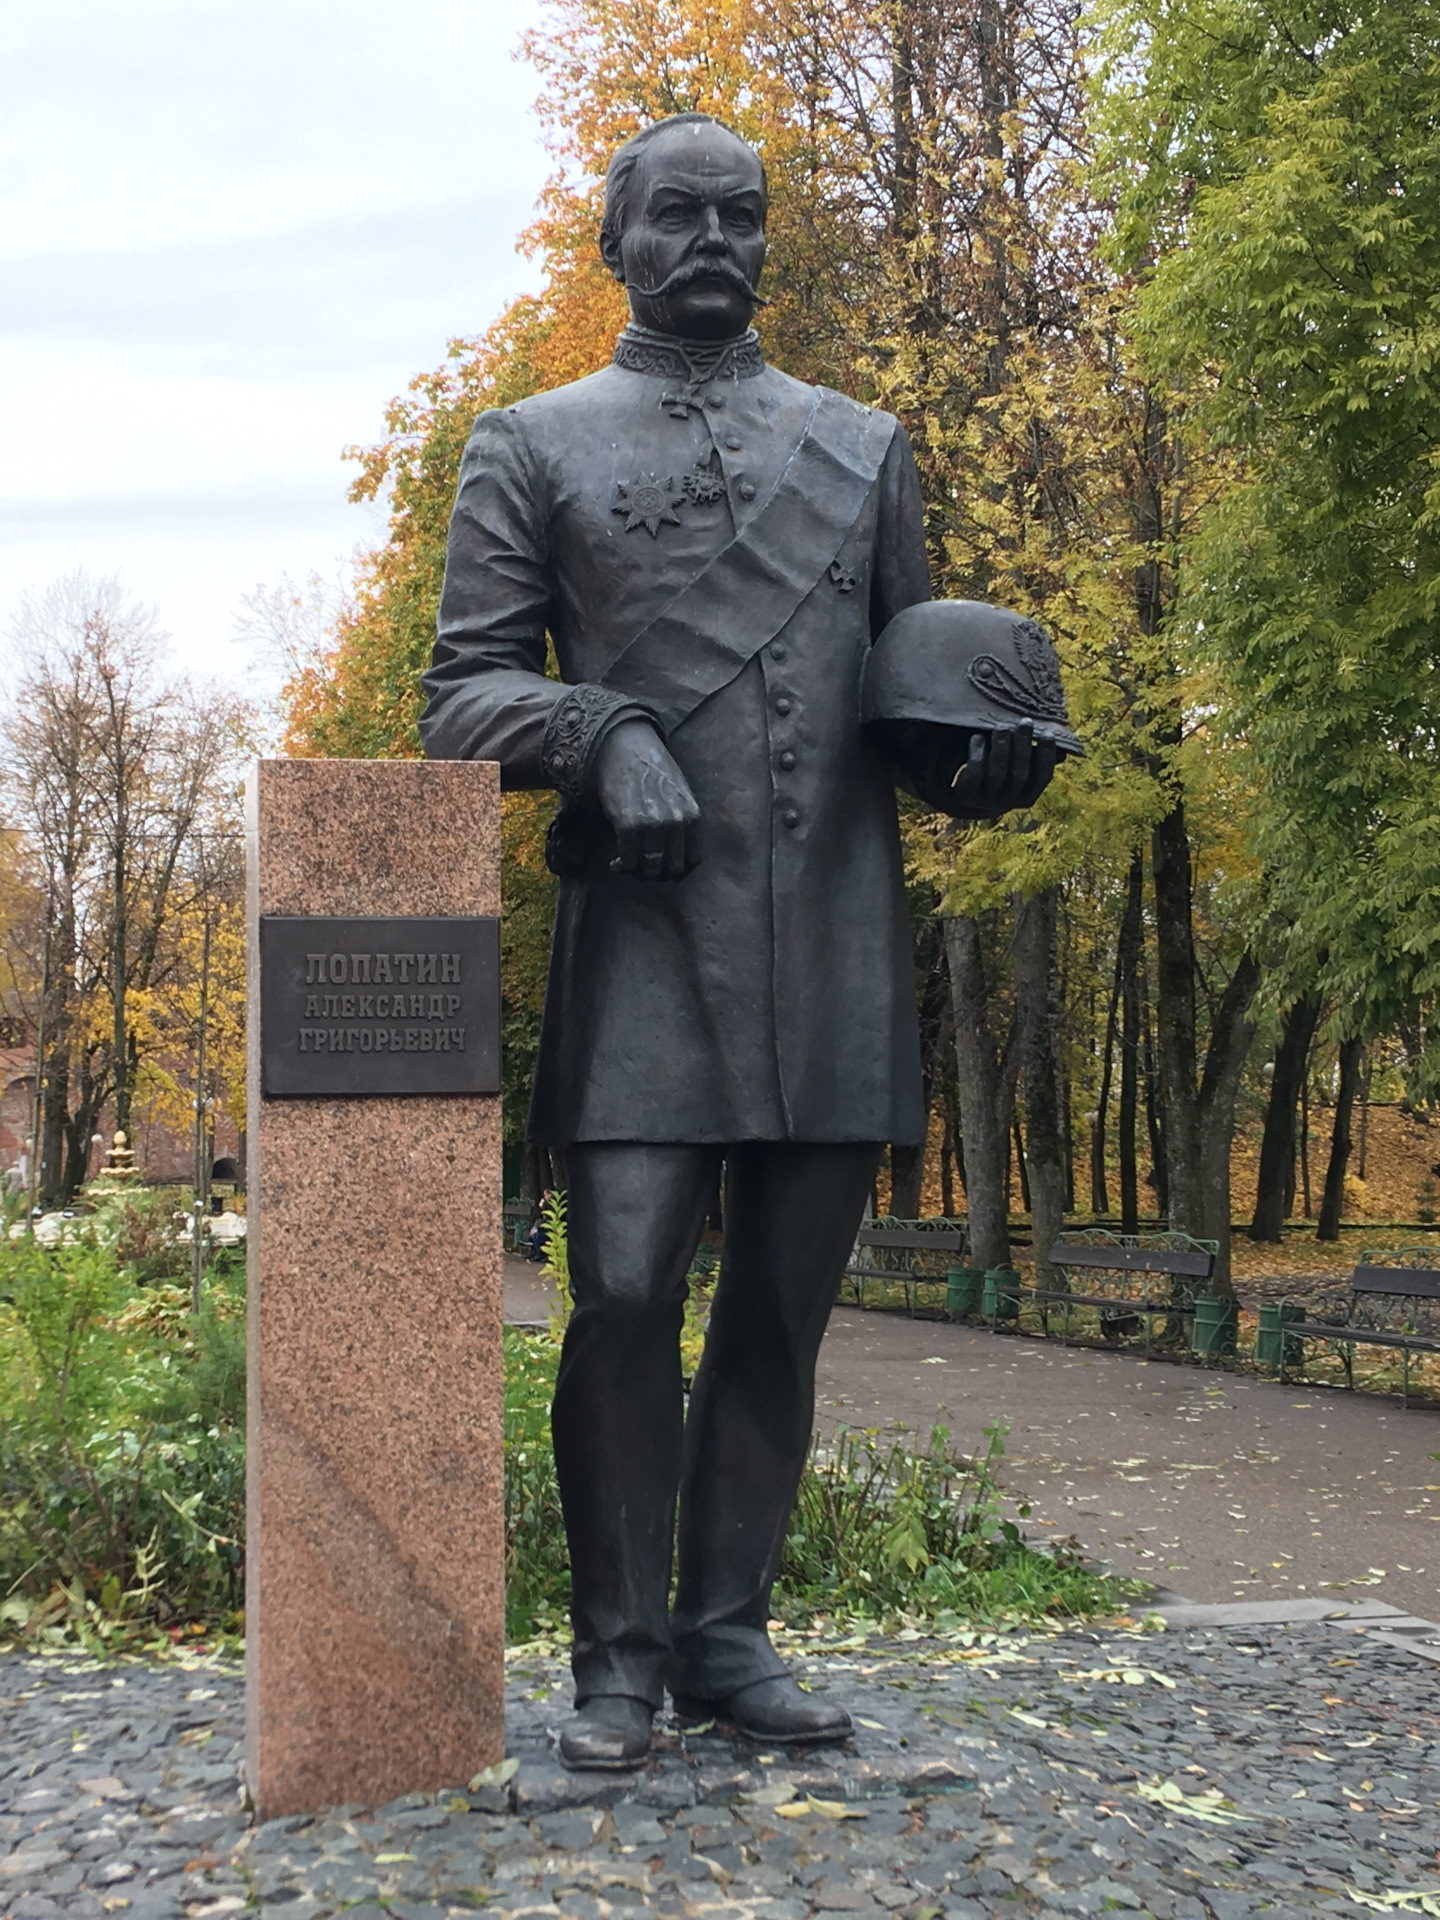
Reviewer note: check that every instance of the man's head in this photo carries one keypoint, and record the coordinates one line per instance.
(684, 228)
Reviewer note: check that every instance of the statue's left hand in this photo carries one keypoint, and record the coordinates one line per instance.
(972, 775)
(1001, 771)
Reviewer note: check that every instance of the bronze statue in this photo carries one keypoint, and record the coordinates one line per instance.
(712, 547)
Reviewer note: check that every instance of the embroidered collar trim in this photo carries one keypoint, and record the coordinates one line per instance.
(696, 363)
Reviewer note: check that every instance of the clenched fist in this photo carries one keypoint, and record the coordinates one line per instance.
(648, 802)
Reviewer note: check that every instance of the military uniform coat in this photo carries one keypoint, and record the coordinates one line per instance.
(769, 995)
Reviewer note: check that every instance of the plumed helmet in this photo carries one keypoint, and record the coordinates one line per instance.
(961, 663)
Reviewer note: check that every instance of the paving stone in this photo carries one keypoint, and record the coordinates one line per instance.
(636, 1825)
(1227, 1905)
(570, 1830)
(112, 1873)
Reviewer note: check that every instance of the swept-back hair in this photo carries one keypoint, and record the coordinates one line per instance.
(620, 174)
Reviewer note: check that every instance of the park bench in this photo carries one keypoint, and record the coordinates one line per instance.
(1394, 1302)
(515, 1218)
(1125, 1277)
(913, 1253)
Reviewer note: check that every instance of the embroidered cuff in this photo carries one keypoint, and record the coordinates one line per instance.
(575, 731)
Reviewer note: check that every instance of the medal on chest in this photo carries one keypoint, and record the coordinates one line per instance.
(651, 502)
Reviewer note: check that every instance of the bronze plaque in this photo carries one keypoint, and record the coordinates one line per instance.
(356, 1008)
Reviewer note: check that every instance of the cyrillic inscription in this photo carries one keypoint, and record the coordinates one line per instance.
(383, 1006)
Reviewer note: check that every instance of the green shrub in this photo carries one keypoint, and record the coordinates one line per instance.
(881, 1532)
(878, 1533)
(121, 1444)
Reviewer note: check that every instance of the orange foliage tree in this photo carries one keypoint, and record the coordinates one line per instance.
(935, 248)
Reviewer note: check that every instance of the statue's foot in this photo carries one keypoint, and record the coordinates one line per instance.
(775, 1710)
(610, 1732)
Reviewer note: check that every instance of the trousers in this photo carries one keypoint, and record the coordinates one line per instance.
(625, 1447)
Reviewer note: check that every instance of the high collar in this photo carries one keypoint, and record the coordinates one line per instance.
(695, 362)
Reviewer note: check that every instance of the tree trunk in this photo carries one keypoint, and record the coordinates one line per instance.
(1231, 1031)
(985, 1102)
(1199, 1116)
(1036, 1012)
(907, 1174)
(1175, 1028)
(907, 1164)
(1127, 973)
(54, 1111)
(1275, 1184)
(1154, 1123)
(119, 980)
(79, 1128)
(1067, 1136)
(1099, 1194)
(1332, 1206)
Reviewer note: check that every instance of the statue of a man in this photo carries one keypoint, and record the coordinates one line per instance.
(711, 547)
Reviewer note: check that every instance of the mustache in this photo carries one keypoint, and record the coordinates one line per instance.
(717, 268)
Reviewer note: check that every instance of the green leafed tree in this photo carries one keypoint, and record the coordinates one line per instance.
(1279, 181)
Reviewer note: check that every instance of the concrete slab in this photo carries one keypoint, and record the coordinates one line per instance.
(1273, 1613)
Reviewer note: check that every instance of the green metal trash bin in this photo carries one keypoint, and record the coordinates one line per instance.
(1001, 1297)
(1273, 1346)
(1217, 1325)
(964, 1287)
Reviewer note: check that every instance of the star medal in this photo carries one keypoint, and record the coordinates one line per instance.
(646, 502)
(704, 484)
(843, 577)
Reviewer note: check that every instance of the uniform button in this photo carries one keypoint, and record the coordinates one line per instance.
(732, 440)
(715, 400)
(787, 760)
(782, 705)
(792, 819)
(747, 490)
(777, 651)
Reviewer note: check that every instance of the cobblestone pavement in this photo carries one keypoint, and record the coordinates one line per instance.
(1189, 1775)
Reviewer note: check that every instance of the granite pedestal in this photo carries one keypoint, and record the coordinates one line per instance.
(375, 1604)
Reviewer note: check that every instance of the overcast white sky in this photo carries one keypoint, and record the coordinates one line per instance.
(229, 233)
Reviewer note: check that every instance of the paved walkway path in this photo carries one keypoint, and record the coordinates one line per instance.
(1220, 1486)
(1191, 1775)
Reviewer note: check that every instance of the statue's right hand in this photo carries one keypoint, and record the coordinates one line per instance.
(647, 800)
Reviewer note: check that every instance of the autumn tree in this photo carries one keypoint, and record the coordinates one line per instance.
(109, 772)
(935, 247)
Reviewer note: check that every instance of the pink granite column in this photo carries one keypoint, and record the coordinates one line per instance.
(375, 1599)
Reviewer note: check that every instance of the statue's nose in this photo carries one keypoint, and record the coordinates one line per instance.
(712, 238)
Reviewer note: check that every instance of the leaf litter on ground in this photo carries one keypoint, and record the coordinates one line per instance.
(1210, 1805)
